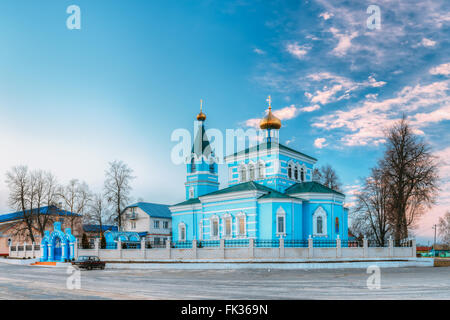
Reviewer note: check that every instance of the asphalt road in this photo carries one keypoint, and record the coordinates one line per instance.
(25, 282)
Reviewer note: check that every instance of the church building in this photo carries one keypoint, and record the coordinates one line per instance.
(270, 194)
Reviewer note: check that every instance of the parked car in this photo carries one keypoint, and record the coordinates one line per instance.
(89, 262)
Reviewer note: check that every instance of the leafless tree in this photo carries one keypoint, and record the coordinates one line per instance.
(18, 181)
(98, 212)
(327, 176)
(370, 214)
(412, 175)
(444, 228)
(76, 198)
(118, 188)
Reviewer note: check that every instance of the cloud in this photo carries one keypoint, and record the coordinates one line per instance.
(259, 51)
(326, 15)
(297, 50)
(320, 143)
(443, 69)
(428, 42)
(310, 108)
(344, 41)
(365, 122)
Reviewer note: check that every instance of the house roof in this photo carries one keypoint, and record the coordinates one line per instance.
(269, 145)
(153, 209)
(96, 228)
(310, 187)
(51, 210)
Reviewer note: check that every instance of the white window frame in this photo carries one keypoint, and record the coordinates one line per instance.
(320, 212)
(281, 214)
(156, 224)
(261, 169)
(191, 192)
(213, 219)
(182, 225)
(240, 216)
(227, 217)
(242, 171)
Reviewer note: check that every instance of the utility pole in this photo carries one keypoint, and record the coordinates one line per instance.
(434, 245)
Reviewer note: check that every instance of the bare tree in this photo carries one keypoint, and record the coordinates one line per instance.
(411, 173)
(98, 212)
(370, 215)
(76, 197)
(327, 176)
(18, 181)
(444, 228)
(118, 188)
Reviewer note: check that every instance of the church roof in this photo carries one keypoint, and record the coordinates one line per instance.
(201, 144)
(310, 187)
(44, 210)
(241, 187)
(153, 209)
(269, 145)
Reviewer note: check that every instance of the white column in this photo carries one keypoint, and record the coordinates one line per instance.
(391, 247)
(366, 247)
(338, 247)
(310, 247)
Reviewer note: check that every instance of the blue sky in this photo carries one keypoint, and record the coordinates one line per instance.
(72, 100)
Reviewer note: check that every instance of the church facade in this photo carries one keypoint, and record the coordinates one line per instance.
(270, 194)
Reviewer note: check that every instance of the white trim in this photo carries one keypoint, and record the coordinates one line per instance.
(280, 213)
(182, 225)
(320, 212)
(212, 219)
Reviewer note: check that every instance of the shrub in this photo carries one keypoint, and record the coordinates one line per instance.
(84, 242)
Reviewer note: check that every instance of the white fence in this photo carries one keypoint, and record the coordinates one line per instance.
(248, 249)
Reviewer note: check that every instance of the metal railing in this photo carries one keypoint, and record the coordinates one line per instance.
(377, 244)
(271, 243)
(296, 243)
(319, 243)
(131, 245)
(155, 244)
(182, 244)
(208, 244)
(237, 243)
(352, 243)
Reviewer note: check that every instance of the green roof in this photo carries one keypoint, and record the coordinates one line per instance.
(310, 187)
(190, 201)
(269, 145)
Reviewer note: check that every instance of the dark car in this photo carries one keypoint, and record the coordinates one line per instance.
(89, 262)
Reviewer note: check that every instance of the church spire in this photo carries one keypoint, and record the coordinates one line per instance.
(270, 121)
(201, 116)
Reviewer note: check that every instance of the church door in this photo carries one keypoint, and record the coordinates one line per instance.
(57, 250)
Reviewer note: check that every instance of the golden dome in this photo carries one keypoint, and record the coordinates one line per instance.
(270, 121)
(201, 116)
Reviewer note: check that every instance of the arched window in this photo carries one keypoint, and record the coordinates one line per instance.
(214, 227)
(336, 225)
(251, 172)
(211, 167)
(319, 224)
(191, 192)
(227, 225)
(290, 171)
(193, 167)
(296, 173)
(261, 167)
(241, 225)
(281, 222)
(302, 175)
(181, 232)
(242, 174)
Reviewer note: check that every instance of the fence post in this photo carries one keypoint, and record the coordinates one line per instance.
(75, 248)
(281, 248)
(97, 247)
(9, 248)
(169, 249)
(366, 247)
(25, 249)
(310, 247)
(413, 248)
(119, 248)
(143, 251)
(222, 247)
(338, 247)
(33, 254)
(251, 246)
(194, 248)
(391, 247)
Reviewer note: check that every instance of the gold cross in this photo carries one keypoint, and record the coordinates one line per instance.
(201, 104)
(269, 100)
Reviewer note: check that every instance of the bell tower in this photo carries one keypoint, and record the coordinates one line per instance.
(201, 175)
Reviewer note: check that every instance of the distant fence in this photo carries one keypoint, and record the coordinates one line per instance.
(234, 249)
(252, 249)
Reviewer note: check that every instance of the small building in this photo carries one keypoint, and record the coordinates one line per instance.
(95, 231)
(151, 221)
(12, 225)
(58, 246)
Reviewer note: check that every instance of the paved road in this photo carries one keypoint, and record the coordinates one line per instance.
(25, 282)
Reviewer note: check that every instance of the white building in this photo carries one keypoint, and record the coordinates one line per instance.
(150, 220)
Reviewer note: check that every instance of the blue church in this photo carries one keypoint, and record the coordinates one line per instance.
(270, 194)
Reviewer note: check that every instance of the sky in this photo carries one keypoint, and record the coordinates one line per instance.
(73, 100)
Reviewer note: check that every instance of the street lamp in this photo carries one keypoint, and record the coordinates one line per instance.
(434, 245)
